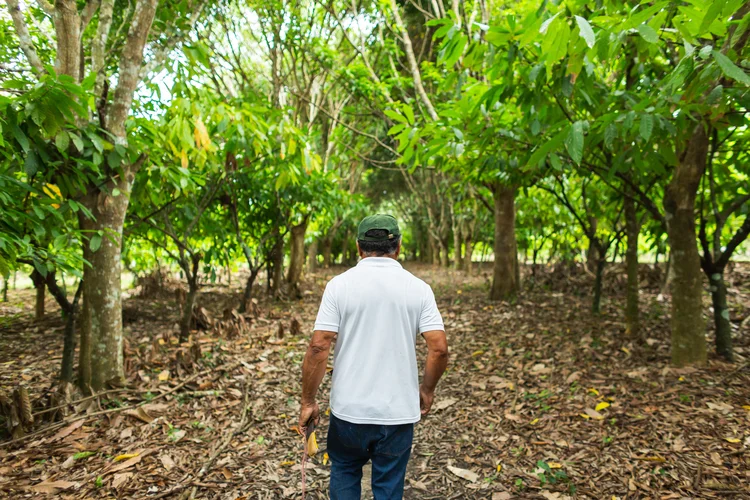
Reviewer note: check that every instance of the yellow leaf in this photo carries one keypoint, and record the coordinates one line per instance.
(625, 350)
(477, 353)
(459, 292)
(53, 192)
(184, 159)
(554, 465)
(594, 391)
(325, 458)
(126, 456)
(681, 379)
(534, 421)
(747, 407)
(328, 411)
(161, 342)
(287, 463)
(602, 406)
(584, 416)
(499, 467)
(733, 440)
(164, 375)
(201, 135)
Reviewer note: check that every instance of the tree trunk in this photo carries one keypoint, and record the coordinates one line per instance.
(504, 279)
(592, 254)
(458, 261)
(187, 310)
(69, 339)
(596, 306)
(40, 286)
(668, 275)
(688, 328)
(277, 257)
(468, 254)
(101, 354)
(6, 278)
(721, 316)
(444, 257)
(312, 256)
(247, 295)
(326, 250)
(632, 314)
(434, 252)
(296, 255)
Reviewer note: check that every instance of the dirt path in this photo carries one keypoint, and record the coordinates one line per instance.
(541, 400)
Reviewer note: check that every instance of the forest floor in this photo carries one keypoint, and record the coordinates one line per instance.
(542, 400)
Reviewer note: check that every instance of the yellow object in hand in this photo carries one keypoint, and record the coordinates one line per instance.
(312, 445)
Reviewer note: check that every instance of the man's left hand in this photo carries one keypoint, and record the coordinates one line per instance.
(309, 413)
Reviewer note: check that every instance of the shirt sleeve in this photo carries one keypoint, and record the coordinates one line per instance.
(430, 319)
(328, 314)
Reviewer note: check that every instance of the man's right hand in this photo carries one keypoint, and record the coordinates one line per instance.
(425, 400)
(310, 413)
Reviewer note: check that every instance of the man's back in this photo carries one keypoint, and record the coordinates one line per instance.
(377, 308)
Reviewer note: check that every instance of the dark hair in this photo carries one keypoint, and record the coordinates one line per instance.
(379, 248)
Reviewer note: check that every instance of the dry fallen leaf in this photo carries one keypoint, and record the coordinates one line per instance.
(444, 403)
(121, 479)
(501, 495)
(52, 487)
(125, 465)
(66, 431)
(464, 473)
(164, 375)
(167, 462)
(140, 414)
(594, 414)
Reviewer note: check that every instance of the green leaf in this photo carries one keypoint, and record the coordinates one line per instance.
(545, 148)
(409, 113)
(574, 142)
(711, 14)
(545, 24)
(716, 94)
(77, 141)
(648, 33)
(730, 69)
(586, 32)
(395, 116)
(20, 137)
(705, 51)
(610, 134)
(31, 164)
(96, 242)
(647, 126)
(62, 141)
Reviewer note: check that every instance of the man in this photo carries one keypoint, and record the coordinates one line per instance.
(375, 309)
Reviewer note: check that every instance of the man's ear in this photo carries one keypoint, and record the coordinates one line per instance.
(359, 250)
(398, 249)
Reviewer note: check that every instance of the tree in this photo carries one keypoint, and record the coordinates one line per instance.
(113, 43)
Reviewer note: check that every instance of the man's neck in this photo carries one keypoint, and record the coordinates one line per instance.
(393, 256)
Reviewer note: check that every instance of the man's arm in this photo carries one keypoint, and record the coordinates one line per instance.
(437, 360)
(313, 371)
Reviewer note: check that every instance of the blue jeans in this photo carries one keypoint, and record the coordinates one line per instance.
(350, 446)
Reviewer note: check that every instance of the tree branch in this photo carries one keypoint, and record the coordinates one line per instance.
(24, 38)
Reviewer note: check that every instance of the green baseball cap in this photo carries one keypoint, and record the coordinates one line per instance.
(379, 221)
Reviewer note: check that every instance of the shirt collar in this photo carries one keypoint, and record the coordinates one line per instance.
(378, 262)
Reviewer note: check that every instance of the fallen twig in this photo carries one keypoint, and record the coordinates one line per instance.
(220, 449)
(228, 367)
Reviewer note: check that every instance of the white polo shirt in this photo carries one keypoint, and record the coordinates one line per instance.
(377, 308)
